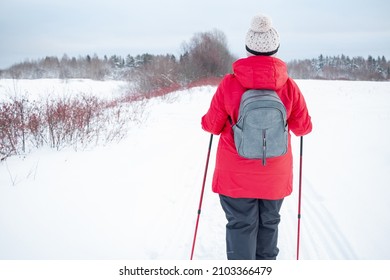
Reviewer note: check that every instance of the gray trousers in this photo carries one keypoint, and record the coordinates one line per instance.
(252, 228)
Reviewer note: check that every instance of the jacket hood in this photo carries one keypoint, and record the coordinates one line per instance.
(261, 72)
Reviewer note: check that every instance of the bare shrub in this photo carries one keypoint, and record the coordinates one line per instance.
(156, 77)
(76, 122)
(119, 116)
(9, 130)
(36, 125)
(206, 55)
(72, 121)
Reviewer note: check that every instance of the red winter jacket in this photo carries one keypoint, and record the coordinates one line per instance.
(235, 176)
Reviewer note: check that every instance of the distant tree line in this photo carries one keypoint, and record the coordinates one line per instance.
(82, 67)
(205, 55)
(341, 68)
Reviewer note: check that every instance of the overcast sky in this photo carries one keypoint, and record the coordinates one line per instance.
(31, 29)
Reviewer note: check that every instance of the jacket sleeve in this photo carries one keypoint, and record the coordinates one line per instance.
(215, 119)
(299, 121)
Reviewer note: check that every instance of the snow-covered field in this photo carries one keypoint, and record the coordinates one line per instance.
(138, 199)
(41, 89)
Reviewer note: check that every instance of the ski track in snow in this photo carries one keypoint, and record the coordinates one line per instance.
(321, 228)
(139, 199)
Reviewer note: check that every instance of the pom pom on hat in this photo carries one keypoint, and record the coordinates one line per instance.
(261, 23)
(262, 38)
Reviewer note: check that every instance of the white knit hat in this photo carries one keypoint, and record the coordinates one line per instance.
(262, 38)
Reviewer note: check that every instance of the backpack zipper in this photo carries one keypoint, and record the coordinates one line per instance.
(264, 147)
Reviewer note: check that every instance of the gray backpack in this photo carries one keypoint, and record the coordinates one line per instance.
(261, 131)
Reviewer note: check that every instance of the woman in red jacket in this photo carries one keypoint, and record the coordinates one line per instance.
(251, 194)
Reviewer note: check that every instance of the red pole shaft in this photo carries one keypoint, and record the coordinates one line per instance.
(299, 197)
(201, 196)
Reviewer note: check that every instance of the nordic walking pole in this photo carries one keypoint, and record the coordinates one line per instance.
(299, 197)
(201, 196)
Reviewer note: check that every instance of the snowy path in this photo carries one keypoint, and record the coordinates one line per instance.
(138, 199)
